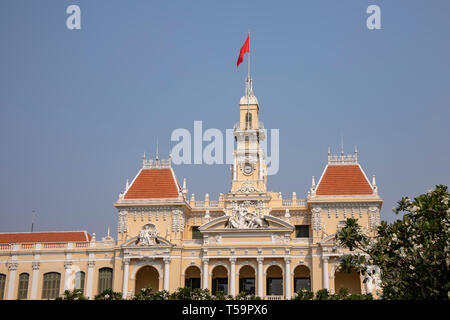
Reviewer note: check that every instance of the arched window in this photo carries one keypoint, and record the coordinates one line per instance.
(51, 285)
(248, 120)
(79, 281)
(2, 285)
(22, 292)
(104, 279)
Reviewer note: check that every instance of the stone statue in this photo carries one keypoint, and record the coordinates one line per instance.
(147, 235)
(241, 218)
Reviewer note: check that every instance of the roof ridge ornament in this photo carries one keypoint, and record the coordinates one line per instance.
(342, 158)
(157, 163)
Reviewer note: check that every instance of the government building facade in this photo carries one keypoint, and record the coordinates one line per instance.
(249, 239)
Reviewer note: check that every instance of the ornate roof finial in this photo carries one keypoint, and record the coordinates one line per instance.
(184, 187)
(157, 151)
(313, 183)
(342, 144)
(374, 185)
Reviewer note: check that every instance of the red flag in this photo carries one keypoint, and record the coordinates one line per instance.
(245, 48)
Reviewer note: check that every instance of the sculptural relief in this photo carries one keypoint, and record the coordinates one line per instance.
(242, 218)
(147, 235)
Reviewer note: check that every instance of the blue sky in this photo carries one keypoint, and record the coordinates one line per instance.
(79, 107)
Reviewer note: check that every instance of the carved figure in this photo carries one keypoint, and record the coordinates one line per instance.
(241, 218)
(147, 235)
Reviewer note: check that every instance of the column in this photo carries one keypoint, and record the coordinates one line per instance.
(34, 280)
(67, 277)
(260, 277)
(233, 277)
(369, 283)
(90, 279)
(235, 168)
(126, 268)
(205, 273)
(260, 165)
(287, 277)
(166, 273)
(12, 267)
(325, 272)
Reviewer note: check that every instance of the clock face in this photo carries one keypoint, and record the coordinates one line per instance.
(248, 169)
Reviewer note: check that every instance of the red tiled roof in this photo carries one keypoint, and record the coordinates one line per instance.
(61, 236)
(153, 183)
(343, 180)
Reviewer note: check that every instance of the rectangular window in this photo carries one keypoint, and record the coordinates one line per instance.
(220, 284)
(274, 286)
(247, 285)
(22, 292)
(302, 283)
(193, 283)
(196, 234)
(302, 231)
(2, 285)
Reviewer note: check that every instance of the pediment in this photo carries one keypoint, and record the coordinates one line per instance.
(264, 224)
(158, 242)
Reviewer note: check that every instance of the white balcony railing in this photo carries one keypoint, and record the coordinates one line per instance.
(27, 246)
(199, 203)
(52, 245)
(291, 203)
(214, 203)
(274, 298)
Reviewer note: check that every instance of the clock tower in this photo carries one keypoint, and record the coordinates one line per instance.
(249, 167)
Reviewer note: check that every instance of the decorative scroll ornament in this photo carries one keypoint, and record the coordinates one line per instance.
(374, 218)
(316, 222)
(147, 235)
(248, 188)
(177, 221)
(122, 226)
(241, 218)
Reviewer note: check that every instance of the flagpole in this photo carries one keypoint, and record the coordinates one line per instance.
(249, 55)
(248, 80)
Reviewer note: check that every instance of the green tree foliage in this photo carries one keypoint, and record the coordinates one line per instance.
(109, 294)
(187, 293)
(411, 254)
(75, 294)
(324, 294)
